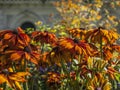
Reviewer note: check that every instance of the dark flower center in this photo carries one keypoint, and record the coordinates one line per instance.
(82, 28)
(15, 32)
(56, 49)
(27, 49)
(5, 71)
(101, 28)
(76, 41)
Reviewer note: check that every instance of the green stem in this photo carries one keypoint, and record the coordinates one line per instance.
(4, 86)
(32, 83)
(14, 67)
(25, 85)
(101, 51)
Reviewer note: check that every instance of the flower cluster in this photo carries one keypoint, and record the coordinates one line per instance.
(89, 60)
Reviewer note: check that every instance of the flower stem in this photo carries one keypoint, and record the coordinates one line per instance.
(4, 86)
(25, 85)
(101, 51)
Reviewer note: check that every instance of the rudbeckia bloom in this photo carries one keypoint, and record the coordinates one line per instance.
(44, 37)
(44, 61)
(53, 80)
(77, 33)
(116, 47)
(107, 52)
(12, 78)
(4, 62)
(91, 66)
(111, 72)
(13, 37)
(24, 53)
(101, 35)
(98, 82)
(76, 46)
(59, 55)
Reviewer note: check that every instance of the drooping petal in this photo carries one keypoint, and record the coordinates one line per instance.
(27, 56)
(3, 79)
(16, 56)
(8, 36)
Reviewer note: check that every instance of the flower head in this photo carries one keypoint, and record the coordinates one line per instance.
(53, 80)
(12, 78)
(98, 82)
(23, 53)
(13, 37)
(101, 35)
(44, 37)
(76, 46)
(58, 56)
(77, 33)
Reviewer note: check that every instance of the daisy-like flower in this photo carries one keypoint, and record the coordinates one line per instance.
(101, 35)
(53, 80)
(58, 56)
(4, 62)
(77, 33)
(12, 78)
(107, 52)
(13, 37)
(23, 53)
(90, 66)
(44, 60)
(111, 72)
(76, 46)
(116, 47)
(98, 82)
(44, 37)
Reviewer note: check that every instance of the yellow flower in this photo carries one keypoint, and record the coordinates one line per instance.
(98, 82)
(77, 33)
(12, 78)
(38, 23)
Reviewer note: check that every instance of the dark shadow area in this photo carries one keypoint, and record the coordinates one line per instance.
(27, 25)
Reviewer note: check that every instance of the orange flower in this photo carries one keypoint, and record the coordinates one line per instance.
(101, 35)
(77, 33)
(58, 55)
(44, 60)
(24, 52)
(116, 47)
(13, 37)
(53, 79)
(44, 37)
(4, 62)
(111, 72)
(107, 52)
(12, 78)
(90, 66)
(76, 46)
(98, 82)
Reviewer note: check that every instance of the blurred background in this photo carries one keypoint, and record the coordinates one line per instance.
(25, 13)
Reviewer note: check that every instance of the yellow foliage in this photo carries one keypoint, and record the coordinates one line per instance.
(88, 13)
